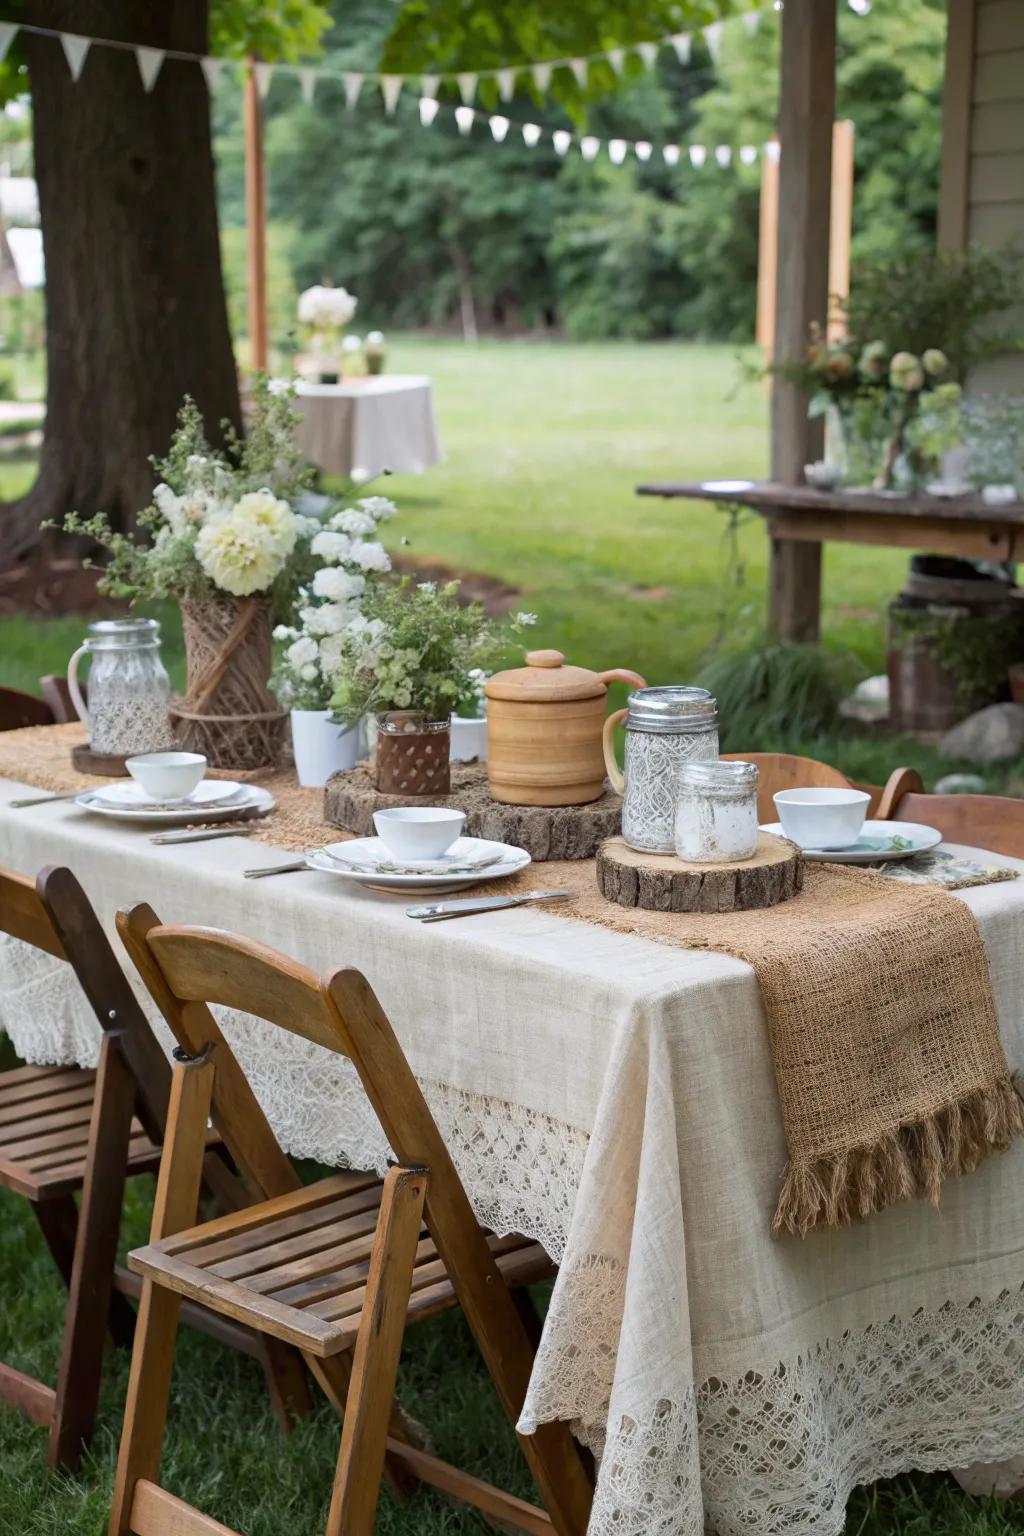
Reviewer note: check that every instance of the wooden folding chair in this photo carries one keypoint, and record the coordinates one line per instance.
(340, 1265)
(995, 822)
(19, 709)
(65, 1131)
(784, 770)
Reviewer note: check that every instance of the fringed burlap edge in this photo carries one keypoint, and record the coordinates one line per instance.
(908, 1163)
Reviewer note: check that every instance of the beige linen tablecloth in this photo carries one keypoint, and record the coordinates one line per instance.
(368, 425)
(614, 1098)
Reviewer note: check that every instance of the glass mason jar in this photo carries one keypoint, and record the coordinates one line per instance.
(412, 754)
(716, 812)
(129, 689)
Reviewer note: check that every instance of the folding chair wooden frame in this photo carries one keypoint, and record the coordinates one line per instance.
(65, 1131)
(339, 1266)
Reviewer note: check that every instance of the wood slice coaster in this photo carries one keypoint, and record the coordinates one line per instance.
(663, 883)
(85, 760)
(547, 832)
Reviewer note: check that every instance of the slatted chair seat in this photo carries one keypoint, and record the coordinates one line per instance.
(297, 1266)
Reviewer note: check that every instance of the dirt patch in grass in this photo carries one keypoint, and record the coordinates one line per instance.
(48, 588)
(493, 595)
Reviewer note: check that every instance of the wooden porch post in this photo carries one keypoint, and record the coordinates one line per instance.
(256, 220)
(807, 99)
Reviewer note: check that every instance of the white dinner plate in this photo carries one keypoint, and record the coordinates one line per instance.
(127, 795)
(879, 842)
(723, 487)
(351, 861)
(252, 802)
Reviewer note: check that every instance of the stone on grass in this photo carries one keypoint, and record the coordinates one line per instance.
(960, 784)
(991, 735)
(869, 701)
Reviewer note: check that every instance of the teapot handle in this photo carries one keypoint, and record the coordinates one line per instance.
(622, 675)
(73, 688)
(612, 768)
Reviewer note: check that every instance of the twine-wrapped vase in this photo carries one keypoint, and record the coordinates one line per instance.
(228, 711)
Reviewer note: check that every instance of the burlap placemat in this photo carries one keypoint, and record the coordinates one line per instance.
(881, 1018)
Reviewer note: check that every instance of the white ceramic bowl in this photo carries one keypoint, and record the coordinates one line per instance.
(418, 831)
(822, 818)
(167, 775)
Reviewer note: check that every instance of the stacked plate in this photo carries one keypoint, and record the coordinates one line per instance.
(212, 800)
(468, 861)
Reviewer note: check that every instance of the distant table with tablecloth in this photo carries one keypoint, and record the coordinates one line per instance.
(365, 426)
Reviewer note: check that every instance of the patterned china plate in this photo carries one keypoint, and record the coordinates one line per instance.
(880, 842)
(355, 860)
(127, 795)
(252, 801)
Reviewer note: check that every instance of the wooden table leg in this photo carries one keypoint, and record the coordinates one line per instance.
(794, 599)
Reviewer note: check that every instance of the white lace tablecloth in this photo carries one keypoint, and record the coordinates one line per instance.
(614, 1098)
(365, 426)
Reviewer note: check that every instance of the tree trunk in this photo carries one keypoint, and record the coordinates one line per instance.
(136, 315)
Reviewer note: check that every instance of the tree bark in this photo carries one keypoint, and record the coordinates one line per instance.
(136, 314)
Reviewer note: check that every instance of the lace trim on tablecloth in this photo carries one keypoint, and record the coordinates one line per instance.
(778, 1453)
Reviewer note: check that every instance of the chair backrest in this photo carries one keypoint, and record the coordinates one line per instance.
(53, 913)
(188, 968)
(19, 709)
(994, 822)
(57, 695)
(783, 770)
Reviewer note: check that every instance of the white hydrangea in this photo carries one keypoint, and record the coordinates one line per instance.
(332, 546)
(353, 521)
(326, 306)
(306, 527)
(308, 673)
(380, 508)
(330, 619)
(332, 649)
(371, 557)
(302, 651)
(337, 586)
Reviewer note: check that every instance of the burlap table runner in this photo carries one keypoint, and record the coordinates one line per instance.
(881, 1019)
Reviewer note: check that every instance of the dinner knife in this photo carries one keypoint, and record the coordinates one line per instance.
(237, 828)
(440, 911)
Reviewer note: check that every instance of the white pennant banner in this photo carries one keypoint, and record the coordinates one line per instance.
(531, 134)
(713, 38)
(428, 85)
(723, 154)
(541, 75)
(561, 139)
(390, 89)
(589, 146)
(262, 73)
(751, 21)
(7, 31)
(467, 87)
(670, 154)
(748, 153)
(212, 70)
(506, 79)
(499, 127)
(464, 117)
(773, 149)
(617, 59)
(579, 69)
(75, 51)
(149, 61)
(698, 155)
(307, 80)
(643, 150)
(353, 85)
(617, 151)
(429, 108)
(683, 47)
(649, 53)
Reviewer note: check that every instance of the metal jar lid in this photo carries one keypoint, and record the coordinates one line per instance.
(672, 710)
(718, 779)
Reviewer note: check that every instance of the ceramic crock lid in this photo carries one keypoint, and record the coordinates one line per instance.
(546, 679)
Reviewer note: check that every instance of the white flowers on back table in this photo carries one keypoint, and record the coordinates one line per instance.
(328, 611)
(326, 308)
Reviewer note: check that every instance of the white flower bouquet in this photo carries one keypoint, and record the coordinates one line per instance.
(324, 308)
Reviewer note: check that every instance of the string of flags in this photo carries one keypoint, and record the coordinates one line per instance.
(467, 82)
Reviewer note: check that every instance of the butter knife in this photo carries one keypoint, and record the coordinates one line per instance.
(238, 828)
(441, 911)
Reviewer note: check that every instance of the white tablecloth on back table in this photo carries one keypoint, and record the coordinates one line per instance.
(362, 427)
(614, 1098)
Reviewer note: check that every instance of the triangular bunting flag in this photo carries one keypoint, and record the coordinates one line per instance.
(713, 38)
(149, 61)
(428, 86)
(698, 155)
(262, 73)
(467, 86)
(649, 53)
(499, 127)
(773, 149)
(353, 85)
(531, 134)
(751, 21)
(616, 58)
(307, 80)
(429, 108)
(464, 116)
(723, 154)
(212, 69)
(541, 75)
(506, 79)
(579, 69)
(642, 150)
(617, 150)
(561, 139)
(390, 89)
(681, 44)
(748, 153)
(7, 31)
(671, 154)
(75, 51)
(589, 146)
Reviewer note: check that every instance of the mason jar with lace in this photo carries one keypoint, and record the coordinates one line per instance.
(665, 728)
(129, 690)
(716, 812)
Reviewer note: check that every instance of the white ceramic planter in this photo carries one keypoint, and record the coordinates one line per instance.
(321, 747)
(469, 739)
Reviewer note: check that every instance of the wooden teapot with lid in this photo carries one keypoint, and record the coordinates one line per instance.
(544, 725)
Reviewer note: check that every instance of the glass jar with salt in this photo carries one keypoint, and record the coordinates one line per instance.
(716, 812)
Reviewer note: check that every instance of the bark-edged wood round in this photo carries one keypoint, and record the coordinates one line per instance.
(108, 766)
(547, 832)
(663, 883)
